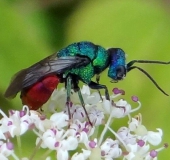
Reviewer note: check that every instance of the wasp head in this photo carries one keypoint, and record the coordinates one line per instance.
(117, 70)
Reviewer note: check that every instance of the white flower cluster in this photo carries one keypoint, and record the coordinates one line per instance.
(76, 138)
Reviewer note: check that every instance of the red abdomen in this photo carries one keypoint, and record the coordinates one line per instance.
(39, 93)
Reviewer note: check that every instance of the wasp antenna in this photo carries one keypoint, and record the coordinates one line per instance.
(147, 74)
(145, 61)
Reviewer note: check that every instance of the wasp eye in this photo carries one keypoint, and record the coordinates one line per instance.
(120, 72)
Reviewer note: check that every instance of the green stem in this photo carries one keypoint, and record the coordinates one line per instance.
(105, 129)
(19, 145)
(46, 154)
(35, 150)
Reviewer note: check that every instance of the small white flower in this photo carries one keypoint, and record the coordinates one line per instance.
(57, 100)
(17, 123)
(96, 116)
(126, 136)
(39, 121)
(82, 131)
(52, 138)
(136, 126)
(121, 109)
(110, 149)
(106, 106)
(62, 154)
(117, 109)
(93, 99)
(89, 98)
(6, 149)
(136, 152)
(140, 130)
(154, 138)
(70, 143)
(81, 156)
(78, 113)
(60, 119)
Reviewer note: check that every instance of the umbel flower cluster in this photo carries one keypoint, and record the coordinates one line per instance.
(61, 138)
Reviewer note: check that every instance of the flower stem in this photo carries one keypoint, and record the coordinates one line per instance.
(35, 150)
(14, 156)
(117, 136)
(46, 154)
(19, 145)
(105, 129)
(135, 109)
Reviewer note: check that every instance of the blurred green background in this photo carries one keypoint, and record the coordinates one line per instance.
(32, 30)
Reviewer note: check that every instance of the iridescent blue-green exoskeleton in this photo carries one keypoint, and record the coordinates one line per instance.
(77, 62)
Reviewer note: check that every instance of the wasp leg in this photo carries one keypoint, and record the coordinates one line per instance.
(83, 105)
(77, 89)
(68, 103)
(97, 80)
(94, 85)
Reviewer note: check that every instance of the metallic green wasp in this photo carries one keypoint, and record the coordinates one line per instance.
(77, 62)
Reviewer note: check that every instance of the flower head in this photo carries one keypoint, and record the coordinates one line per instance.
(68, 133)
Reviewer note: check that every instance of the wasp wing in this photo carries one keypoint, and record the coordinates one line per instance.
(49, 65)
